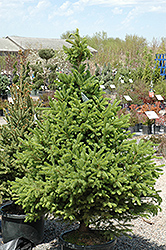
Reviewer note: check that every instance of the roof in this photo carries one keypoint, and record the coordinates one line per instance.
(40, 43)
(8, 46)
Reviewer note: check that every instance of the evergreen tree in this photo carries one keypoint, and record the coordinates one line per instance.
(80, 164)
(44, 72)
(78, 53)
(4, 85)
(19, 117)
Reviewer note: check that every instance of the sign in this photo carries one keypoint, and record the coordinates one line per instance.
(151, 115)
(84, 97)
(112, 86)
(128, 98)
(102, 86)
(159, 98)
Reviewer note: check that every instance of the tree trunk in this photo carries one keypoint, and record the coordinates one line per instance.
(83, 227)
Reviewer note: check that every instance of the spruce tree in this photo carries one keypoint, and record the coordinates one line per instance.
(81, 165)
(20, 116)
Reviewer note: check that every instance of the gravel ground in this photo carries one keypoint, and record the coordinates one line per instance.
(147, 233)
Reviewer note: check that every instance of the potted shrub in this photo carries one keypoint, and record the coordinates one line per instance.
(144, 120)
(159, 122)
(81, 165)
(4, 86)
(147, 129)
(134, 117)
(19, 118)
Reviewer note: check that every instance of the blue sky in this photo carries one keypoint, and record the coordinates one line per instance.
(51, 18)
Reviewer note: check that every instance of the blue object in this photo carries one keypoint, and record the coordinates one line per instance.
(161, 59)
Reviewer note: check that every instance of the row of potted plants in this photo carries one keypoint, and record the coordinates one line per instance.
(139, 120)
(76, 161)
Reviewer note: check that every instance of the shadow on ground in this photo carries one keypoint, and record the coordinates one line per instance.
(56, 227)
(137, 243)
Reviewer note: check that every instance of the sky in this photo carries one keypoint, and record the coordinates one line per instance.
(52, 18)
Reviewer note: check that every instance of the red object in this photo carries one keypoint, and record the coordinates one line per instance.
(151, 94)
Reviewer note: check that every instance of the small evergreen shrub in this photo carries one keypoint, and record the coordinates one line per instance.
(81, 165)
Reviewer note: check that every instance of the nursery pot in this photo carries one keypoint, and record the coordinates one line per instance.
(136, 127)
(13, 226)
(157, 128)
(1, 112)
(164, 129)
(131, 129)
(67, 245)
(146, 129)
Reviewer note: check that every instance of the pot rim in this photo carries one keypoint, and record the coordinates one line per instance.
(9, 215)
(74, 246)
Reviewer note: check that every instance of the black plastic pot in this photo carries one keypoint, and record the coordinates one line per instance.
(137, 127)
(157, 128)
(131, 129)
(68, 246)
(164, 129)
(13, 226)
(146, 129)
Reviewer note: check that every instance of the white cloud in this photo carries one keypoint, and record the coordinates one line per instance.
(39, 8)
(68, 8)
(11, 8)
(117, 11)
(64, 10)
(36, 9)
(131, 15)
(157, 9)
(64, 6)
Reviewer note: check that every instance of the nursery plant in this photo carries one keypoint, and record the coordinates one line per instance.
(106, 76)
(19, 116)
(4, 86)
(80, 164)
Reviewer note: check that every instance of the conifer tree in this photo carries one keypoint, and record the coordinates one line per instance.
(4, 85)
(81, 165)
(19, 117)
(44, 73)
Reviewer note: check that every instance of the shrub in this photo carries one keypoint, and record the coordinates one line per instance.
(81, 164)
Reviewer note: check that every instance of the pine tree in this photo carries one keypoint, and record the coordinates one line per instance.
(19, 117)
(81, 164)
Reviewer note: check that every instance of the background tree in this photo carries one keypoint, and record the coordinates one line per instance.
(46, 54)
(42, 71)
(4, 86)
(45, 73)
(19, 117)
